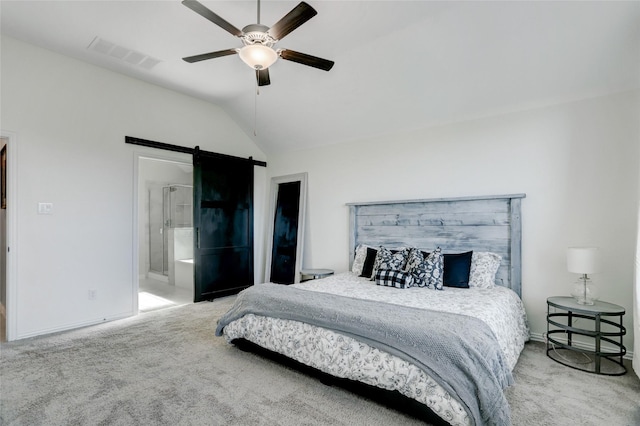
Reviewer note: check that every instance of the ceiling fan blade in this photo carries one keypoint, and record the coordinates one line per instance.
(304, 59)
(292, 20)
(263, 77)
(211, 55)
(206, 13)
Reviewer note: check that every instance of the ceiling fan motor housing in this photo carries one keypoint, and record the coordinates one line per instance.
(257, 34)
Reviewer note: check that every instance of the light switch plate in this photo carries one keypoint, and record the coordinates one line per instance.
(45, 208)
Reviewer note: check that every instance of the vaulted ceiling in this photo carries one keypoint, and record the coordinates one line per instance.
(400, 65)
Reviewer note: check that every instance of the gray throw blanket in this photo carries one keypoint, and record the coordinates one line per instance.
(460, 352)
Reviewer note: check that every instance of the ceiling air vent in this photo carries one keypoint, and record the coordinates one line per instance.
(125, 54)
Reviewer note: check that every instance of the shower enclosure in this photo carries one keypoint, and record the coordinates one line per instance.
(170, 206)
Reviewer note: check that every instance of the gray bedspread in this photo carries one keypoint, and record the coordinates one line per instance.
(458, 351)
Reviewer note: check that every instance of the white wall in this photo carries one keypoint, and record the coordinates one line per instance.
(578, 164)
(71, 119)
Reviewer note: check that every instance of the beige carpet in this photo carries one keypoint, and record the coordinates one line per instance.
(167, 368)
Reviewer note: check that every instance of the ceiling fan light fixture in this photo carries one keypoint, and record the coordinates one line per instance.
(258, 56)
(258, 40)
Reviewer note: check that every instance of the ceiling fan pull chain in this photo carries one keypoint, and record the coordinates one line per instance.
(255, 108)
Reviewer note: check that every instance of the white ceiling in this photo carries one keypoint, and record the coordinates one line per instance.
(400, 65)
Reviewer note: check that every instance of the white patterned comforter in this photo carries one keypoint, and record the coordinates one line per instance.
(344, 357)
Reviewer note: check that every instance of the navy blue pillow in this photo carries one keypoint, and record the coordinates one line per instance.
(369, 261)
(456, 269)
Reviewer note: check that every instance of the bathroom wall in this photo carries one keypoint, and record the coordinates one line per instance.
(181, 206)
(180, 248)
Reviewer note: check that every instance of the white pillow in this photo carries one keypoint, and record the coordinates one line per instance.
(484, 266)
(358, 260)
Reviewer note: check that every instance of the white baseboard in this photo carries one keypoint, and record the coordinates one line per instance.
(75, 326)
(538, 337)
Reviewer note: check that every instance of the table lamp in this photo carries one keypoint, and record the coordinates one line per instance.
(583, 261)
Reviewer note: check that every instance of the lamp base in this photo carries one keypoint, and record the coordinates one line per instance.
(584, 291)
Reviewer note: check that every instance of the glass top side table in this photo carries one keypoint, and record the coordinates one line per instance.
(314, 274)
(567, 321)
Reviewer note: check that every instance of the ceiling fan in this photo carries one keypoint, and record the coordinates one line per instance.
(258, 51)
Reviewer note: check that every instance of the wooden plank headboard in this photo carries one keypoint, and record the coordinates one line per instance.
(486, 223)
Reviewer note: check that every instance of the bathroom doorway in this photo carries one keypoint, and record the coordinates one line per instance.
(165, 233)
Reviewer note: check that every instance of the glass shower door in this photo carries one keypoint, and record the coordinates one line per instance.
(156, 228)
(170, 206)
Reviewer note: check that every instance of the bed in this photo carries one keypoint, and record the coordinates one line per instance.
(413, 327)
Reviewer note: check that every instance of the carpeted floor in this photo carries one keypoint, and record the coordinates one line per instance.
(167, 368)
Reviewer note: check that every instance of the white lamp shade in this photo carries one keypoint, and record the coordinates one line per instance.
(258, 56)
(583, 260)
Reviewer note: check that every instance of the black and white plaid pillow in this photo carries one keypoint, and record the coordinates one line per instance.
(391, 278)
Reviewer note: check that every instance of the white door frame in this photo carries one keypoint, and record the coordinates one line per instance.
(11, 278)
(139, 155)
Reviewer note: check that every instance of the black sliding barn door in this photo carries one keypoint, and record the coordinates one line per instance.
(223, 225)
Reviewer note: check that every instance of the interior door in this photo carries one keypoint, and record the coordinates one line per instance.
(223, 225)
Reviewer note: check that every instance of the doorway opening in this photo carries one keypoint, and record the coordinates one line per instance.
(165, 233)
